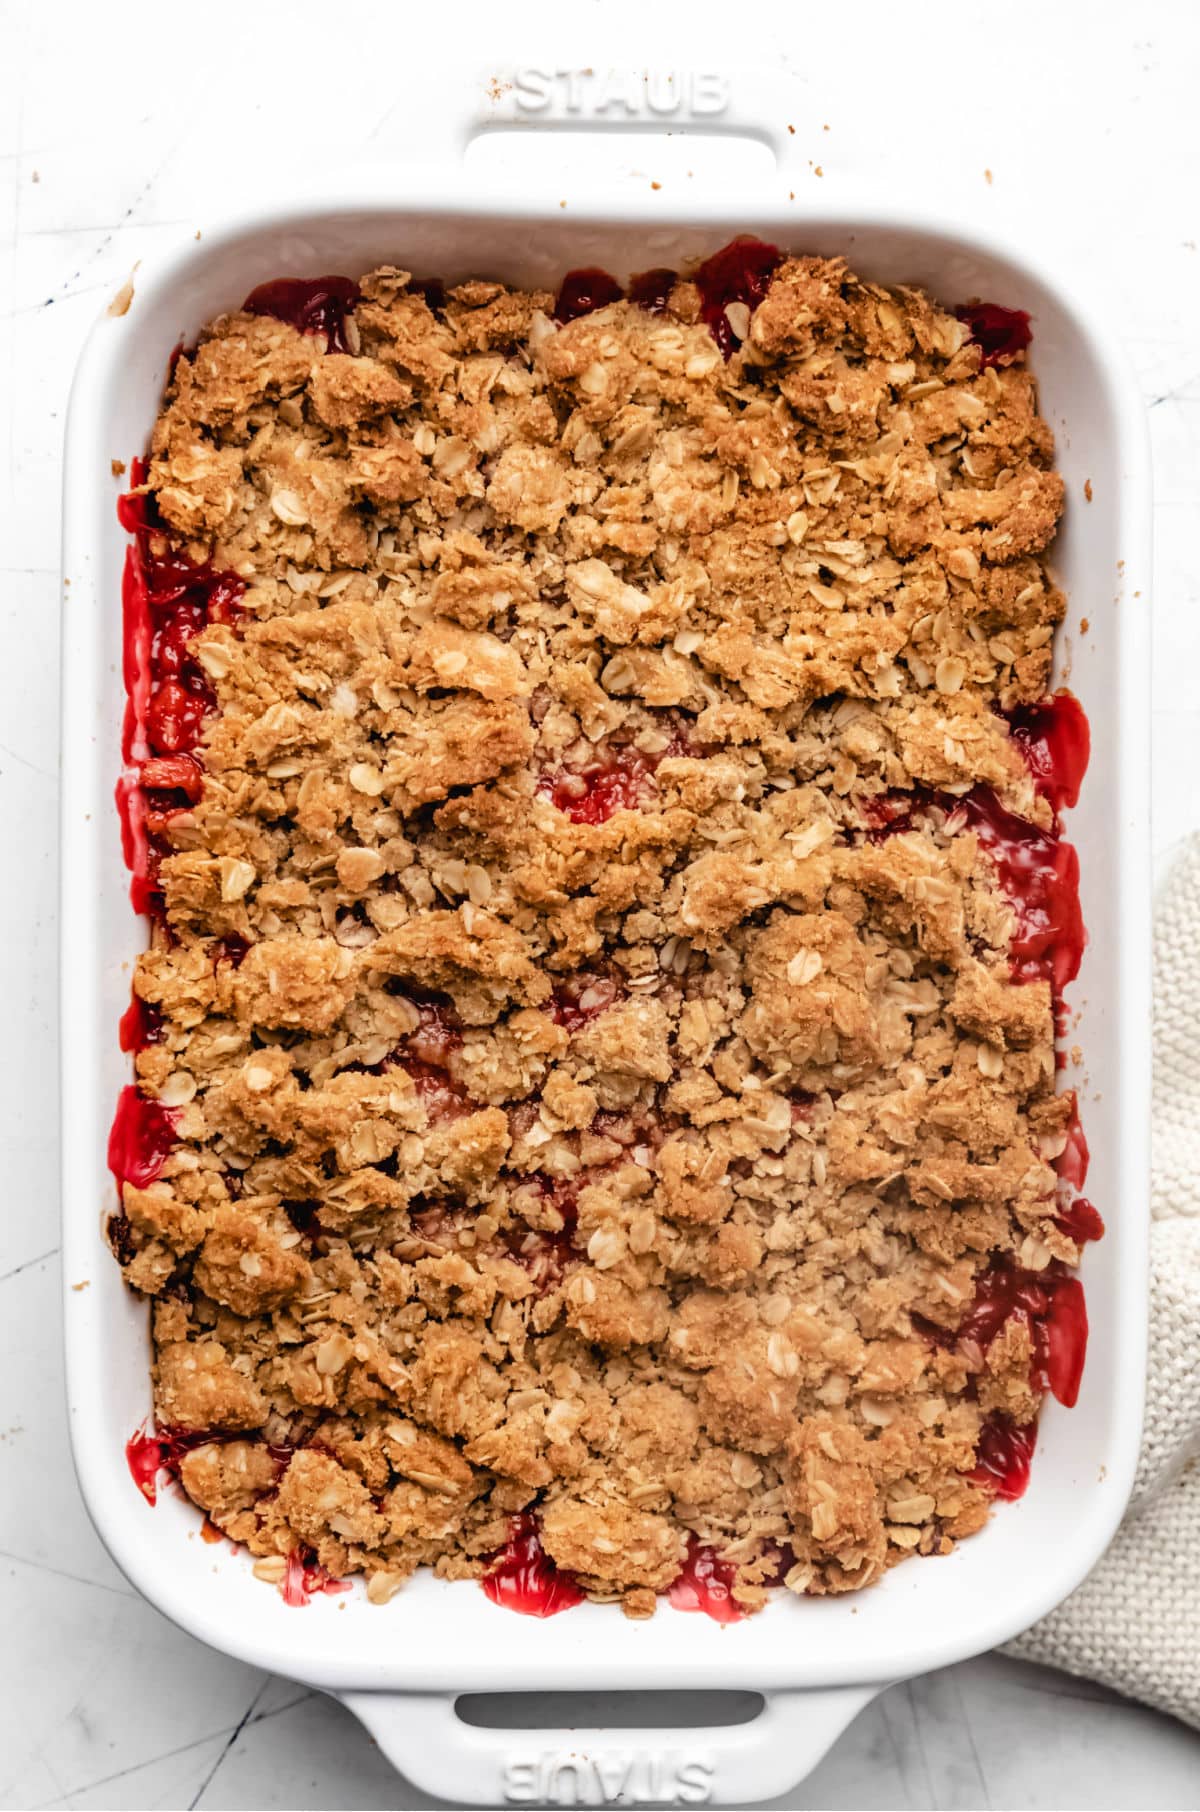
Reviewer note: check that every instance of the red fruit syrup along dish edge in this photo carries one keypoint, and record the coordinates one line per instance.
(731, 284)
(168, 600)
(1040, 874)
(302, 1576)
(522, 1577)
(733, 281)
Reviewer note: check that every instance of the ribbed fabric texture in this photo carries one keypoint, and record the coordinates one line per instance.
(1134, 1623)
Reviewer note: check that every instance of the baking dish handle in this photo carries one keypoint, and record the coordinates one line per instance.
(727, 1765)
(764, 104)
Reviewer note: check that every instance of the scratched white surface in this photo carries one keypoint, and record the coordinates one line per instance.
(118, 132)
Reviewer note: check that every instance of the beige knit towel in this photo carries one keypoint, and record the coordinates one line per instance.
(1134, 1623)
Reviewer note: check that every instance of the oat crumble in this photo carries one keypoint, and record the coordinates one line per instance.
(581, 1065)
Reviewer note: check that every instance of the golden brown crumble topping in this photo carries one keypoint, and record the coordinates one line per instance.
(599, 1100)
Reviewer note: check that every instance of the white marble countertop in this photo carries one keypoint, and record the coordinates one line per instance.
(118, 132)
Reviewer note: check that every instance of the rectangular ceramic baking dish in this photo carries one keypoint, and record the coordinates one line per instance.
(815, 1662)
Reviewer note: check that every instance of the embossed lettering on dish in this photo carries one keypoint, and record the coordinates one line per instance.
(558, 1777)
(621, 94)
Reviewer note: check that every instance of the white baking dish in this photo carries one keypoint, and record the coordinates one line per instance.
(816, 1662)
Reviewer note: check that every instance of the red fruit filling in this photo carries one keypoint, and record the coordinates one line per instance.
(148, 1454)
(141, 856)
(172, 774)
(1003, 1457)
(887, 814)
(1080, 1221)
(309, 304)
(740, 272)
(522, 1577)
(999, 333)
(167, 601)
(544, 1254)
(1056, 742)
(438, 1035)
(1037, 870)
(443, 1098)
(652, 289)
(618, 777)
(580, 998)
(425, 1054)
(140, 1025)
(142, 1137)
(619, 780)
(1002, 1290)
(306, 1577)
(1052, 1304)
(583, 291)
(562, 1194)
(705, 1584)
(231, 948)
(1076, 1216)
(176, 715)
(1040, 875)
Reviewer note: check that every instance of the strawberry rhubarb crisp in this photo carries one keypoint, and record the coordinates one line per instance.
(590, 773)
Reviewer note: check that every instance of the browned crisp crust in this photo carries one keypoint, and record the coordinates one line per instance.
(652, 1267)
